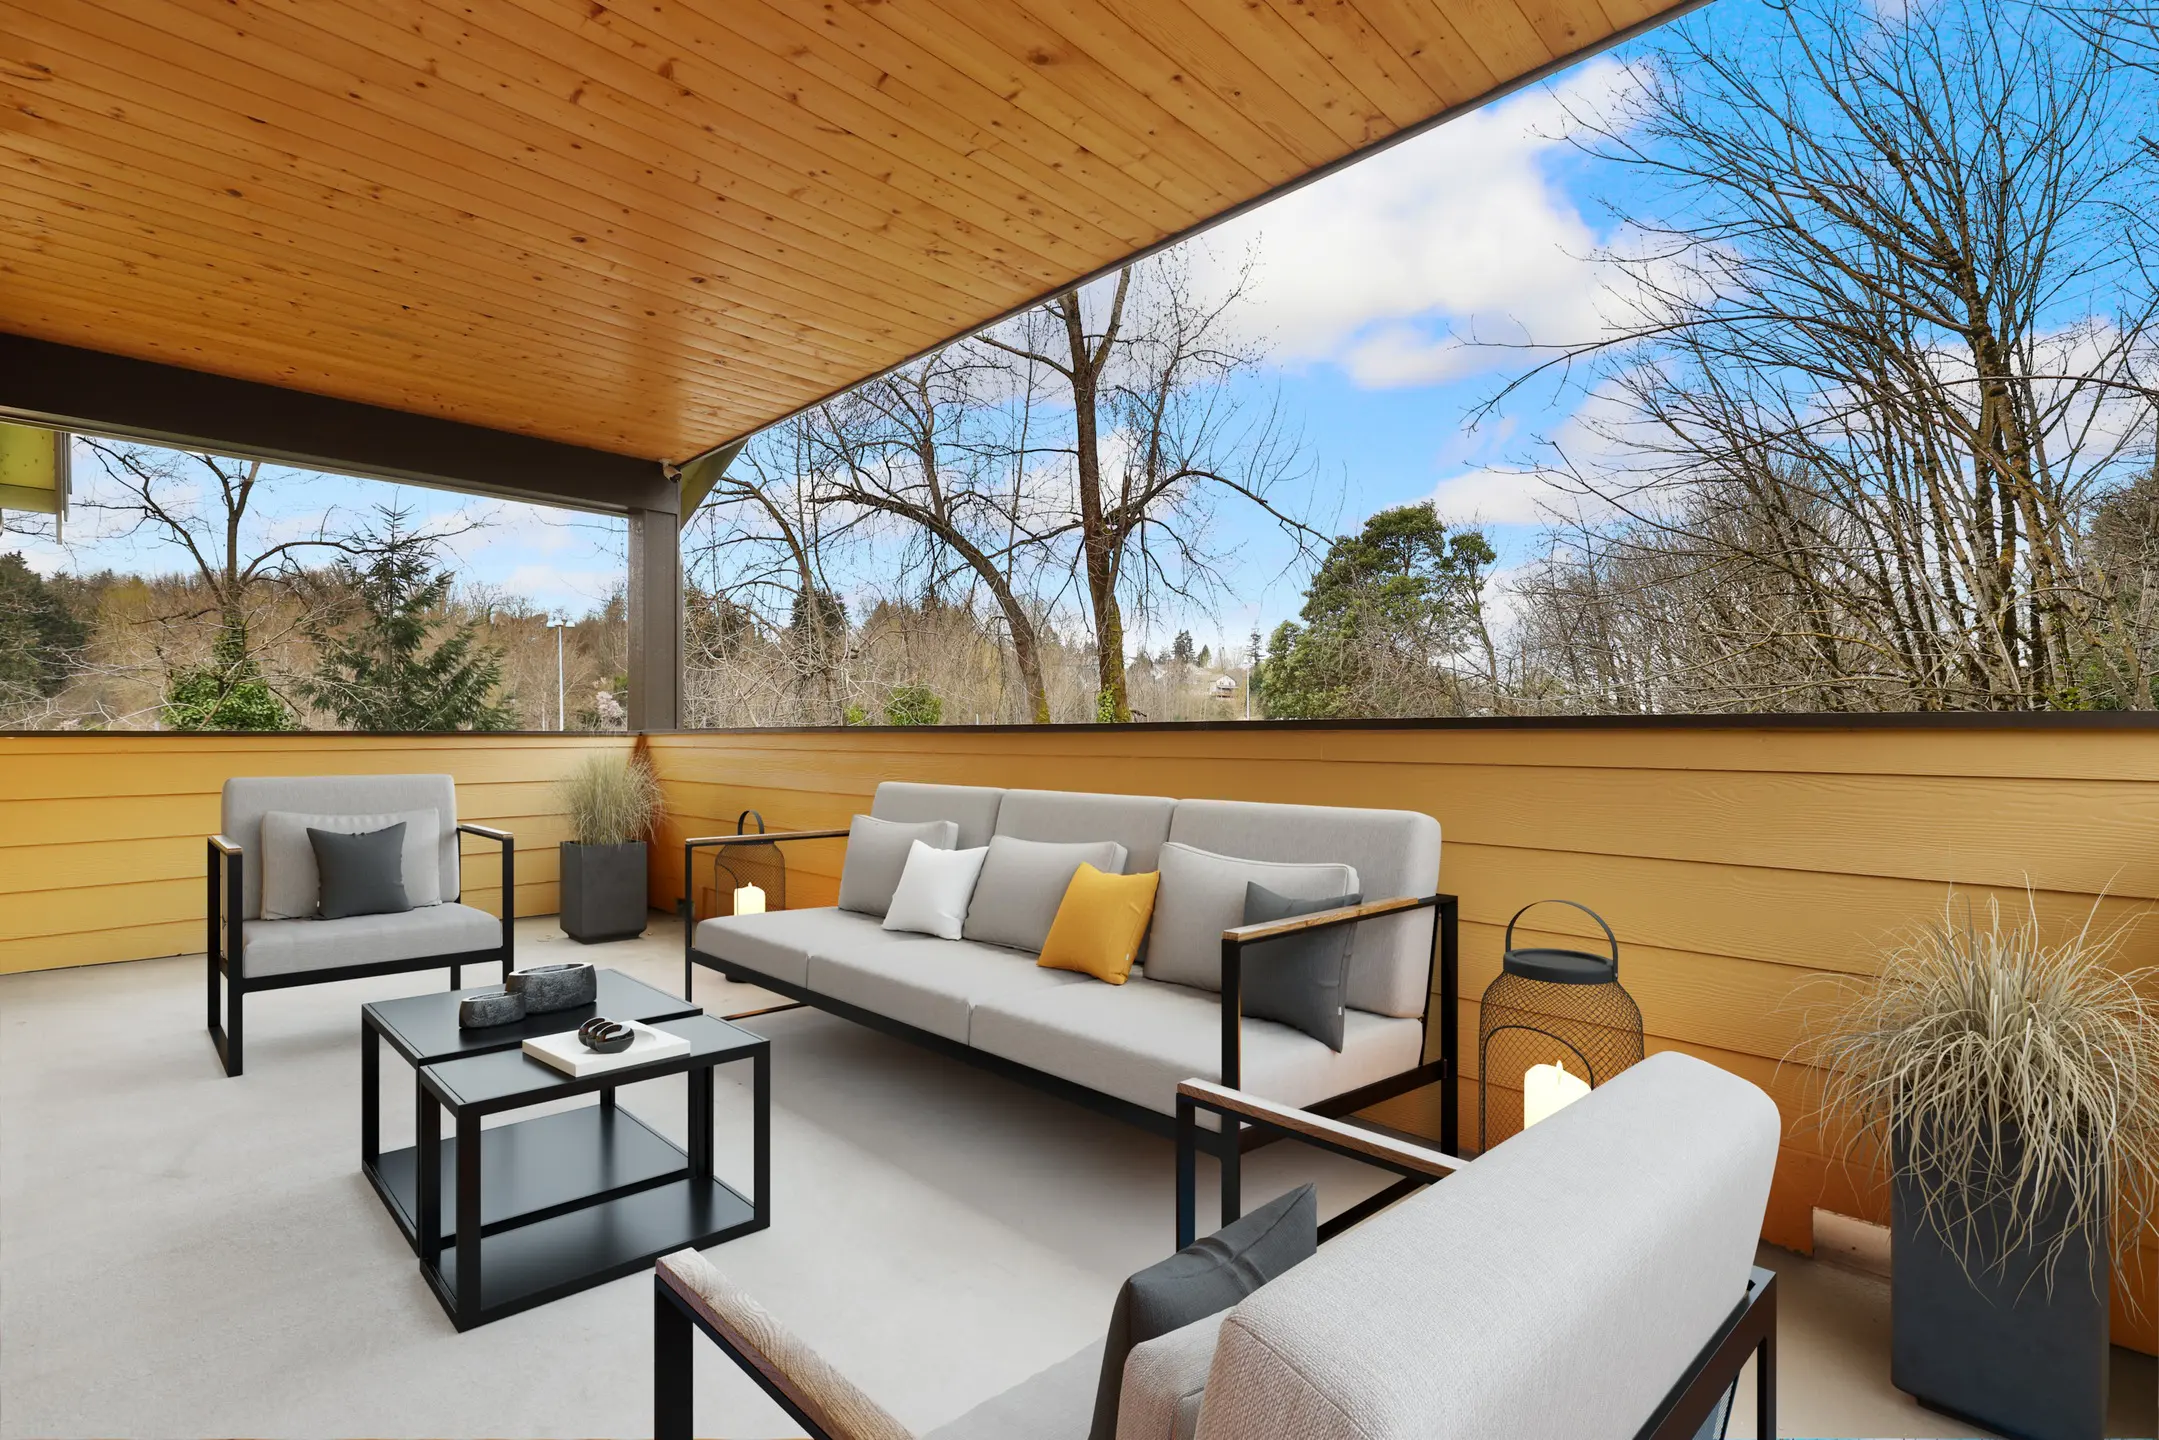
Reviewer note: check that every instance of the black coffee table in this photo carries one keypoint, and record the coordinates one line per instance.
(423, 1030)
(552, 1205)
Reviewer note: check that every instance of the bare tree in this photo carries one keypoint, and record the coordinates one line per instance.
(1877, 352)
(1158, 433)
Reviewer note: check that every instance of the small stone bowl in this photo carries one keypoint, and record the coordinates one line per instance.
(489, 1007)
(548, 988)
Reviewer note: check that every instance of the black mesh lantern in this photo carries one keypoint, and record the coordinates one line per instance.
(1551, 1007)
(744, 876)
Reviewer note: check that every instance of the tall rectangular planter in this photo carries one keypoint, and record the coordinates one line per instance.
(1993, 1346)
(603, 891)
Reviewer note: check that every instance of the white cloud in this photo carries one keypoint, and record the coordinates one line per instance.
(1390, 268)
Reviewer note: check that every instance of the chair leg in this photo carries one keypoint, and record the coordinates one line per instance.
(235, 1020)
(209, 960)
(456, 974)
(1232, 1170)
(674, 1387)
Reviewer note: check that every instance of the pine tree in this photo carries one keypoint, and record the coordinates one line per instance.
(405, 665)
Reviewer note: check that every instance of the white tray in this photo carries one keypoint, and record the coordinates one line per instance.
(567, 1053)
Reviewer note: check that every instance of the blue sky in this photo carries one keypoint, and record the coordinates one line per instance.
(1364, 289)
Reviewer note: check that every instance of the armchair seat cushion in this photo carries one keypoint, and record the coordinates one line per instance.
(1137, 1040)
(779, 943)
(928, 983)
(288, 947)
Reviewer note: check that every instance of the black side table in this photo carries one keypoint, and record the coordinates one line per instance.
(423, 1030)
(555, 1204)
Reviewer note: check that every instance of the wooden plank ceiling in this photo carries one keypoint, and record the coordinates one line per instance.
(653, 227)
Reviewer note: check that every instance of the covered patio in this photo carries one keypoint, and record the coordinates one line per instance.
(578, 255)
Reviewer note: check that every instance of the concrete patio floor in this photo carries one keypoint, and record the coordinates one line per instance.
(186, 1255)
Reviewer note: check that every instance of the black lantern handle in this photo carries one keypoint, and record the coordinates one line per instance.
(1508, 943)
(749, 815)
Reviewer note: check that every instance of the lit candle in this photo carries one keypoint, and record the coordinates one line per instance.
(1547, 1089)
(749, 900)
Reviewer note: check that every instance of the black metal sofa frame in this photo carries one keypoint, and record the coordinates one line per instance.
(224, 951)
(1228, 1144)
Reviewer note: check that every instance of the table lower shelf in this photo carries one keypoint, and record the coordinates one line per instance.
(533, 1168)
(548, 1259)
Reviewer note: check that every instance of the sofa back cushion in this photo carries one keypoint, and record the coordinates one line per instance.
(292, 878)
(1203, 893)
(1394, 853)
(247, 799)
(1024, 881)
(973, 808)
(1559, 1285)
(877, 853)
(1140, 823)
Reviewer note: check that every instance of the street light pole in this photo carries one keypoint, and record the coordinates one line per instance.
(562, 712)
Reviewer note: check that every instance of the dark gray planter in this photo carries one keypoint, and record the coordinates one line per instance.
(603, 891)
(1994, 1347)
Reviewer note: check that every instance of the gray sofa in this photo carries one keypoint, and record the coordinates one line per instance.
(254, 952)
(1123, 1048)
(1590, 1279)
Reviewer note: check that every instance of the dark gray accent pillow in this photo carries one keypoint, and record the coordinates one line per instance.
(1205, 1277)
(361, 874)
(1300, 980)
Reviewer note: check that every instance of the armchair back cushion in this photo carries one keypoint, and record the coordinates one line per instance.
(1558, 1285)
(1394, 853)
(292, 878)
(248, 798)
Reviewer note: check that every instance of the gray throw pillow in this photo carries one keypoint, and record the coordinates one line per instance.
(1205, 1277)
(877, 854)
(362, 874)
(1301, 980)
(1024, 881)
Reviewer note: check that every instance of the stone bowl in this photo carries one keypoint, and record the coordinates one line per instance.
(548, 988)
(489, 1007)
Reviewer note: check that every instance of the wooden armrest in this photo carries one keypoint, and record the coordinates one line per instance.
(485, 832)
(775, 838)
(1324, 919)
(1332, 1134)
(759, 1343)
(226, 843)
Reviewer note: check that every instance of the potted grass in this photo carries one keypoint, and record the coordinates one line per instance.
(2012, 1084)
(613, 802)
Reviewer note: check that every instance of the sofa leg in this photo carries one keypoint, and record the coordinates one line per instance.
(674, 1369)
(210, 969)
(457, 977)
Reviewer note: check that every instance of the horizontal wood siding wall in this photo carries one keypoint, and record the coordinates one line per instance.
(1738, 866)
(101, 836)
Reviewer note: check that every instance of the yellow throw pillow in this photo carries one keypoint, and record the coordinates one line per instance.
(1100, 923)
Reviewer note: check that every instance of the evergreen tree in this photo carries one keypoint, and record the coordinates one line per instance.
(39, 634)
(1385, 611)
(405, 665)
(1180, 649)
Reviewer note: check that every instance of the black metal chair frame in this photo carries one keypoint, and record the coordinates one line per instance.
(225, 949)
(1749, 1331)
(1228, 1144)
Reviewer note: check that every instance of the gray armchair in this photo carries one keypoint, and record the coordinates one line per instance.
(255, 946)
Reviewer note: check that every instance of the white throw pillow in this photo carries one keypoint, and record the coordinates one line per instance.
(877, 853)
(1201, 894)
(292, 886)
(934, 890)
(1023, 883)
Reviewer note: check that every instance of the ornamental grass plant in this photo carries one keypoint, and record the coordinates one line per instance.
(611, 799)
(2012, 1079)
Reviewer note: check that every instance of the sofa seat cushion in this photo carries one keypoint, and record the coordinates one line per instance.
(287, 947)
(779, 943)
(930, 984)
(1137, 1040)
